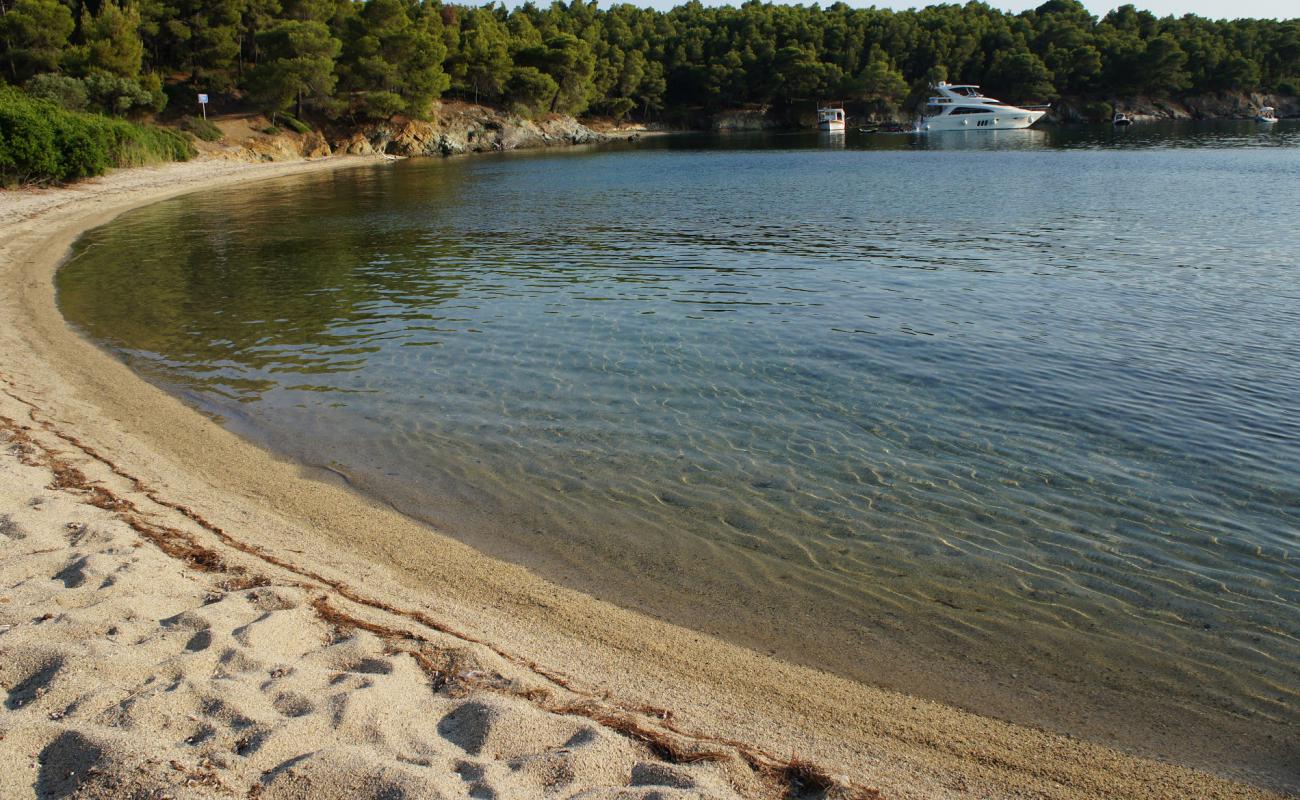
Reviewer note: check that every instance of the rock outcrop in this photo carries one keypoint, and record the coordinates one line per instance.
(747, 119)
(453, 128)
(461, 128)
(285, 146)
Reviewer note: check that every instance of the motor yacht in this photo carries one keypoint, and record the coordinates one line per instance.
(1266, 114)
(961, 107)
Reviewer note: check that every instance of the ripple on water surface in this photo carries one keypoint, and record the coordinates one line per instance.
(1015, 428)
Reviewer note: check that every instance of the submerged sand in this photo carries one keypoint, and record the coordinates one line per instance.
(182, 614)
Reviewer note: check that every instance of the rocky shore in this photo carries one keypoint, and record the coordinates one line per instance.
(453, 129)
(459, 128)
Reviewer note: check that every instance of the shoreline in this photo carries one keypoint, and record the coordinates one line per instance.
(220, 491)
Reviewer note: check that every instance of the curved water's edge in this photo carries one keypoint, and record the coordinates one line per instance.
(891, 665)
(96, 399)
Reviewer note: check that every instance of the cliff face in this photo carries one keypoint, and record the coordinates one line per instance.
(452, 129)
(467, 129)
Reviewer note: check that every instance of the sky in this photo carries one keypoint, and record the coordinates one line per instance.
(1214, 9)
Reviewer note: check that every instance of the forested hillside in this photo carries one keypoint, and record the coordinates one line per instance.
(375, 59)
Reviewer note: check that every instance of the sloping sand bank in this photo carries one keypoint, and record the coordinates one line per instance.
(184, 615)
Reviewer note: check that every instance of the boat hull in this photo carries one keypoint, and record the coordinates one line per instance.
(999, 120)
(831, 125)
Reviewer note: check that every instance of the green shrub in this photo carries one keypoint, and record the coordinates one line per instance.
(27, 149)
(271, 130)
(202, 128)
(292, 123)
(82, 146)
(113, 94)
(62, 90)
(41, 142)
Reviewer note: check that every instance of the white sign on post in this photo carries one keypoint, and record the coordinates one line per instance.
(203, 104)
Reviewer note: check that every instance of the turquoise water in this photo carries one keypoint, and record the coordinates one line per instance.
(1007, 420)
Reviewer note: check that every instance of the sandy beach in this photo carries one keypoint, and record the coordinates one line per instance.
(182, 614)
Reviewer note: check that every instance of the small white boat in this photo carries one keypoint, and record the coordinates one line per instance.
(961, 107)
(1266, 114)
(1120, 119)
(830, 117)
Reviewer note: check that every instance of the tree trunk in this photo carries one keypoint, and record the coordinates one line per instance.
(13, 66)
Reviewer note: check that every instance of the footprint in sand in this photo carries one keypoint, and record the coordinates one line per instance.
(35, 680)
(292, 704)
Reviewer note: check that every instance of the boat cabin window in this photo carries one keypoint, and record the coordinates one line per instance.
(970, 110)
(934, 109)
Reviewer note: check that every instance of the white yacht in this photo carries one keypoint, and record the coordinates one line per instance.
(830, 117)
(961, 107)
(1266, 114)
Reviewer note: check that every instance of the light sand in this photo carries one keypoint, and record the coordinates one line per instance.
(182, 613)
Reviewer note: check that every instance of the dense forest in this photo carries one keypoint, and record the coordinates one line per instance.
(374, 59)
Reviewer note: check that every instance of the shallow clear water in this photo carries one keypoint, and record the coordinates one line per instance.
(1008, 420)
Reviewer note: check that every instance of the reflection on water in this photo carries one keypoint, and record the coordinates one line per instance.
(1017, 428)
(832, 139)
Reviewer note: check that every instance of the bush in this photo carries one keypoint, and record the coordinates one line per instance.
(82, 146)
(1098, 111)
(292, 123)
(113, 94)
(27, 148)
(62, 90)
(202, 128)
(40, 142)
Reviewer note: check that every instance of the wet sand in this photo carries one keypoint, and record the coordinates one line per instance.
(181, 610)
